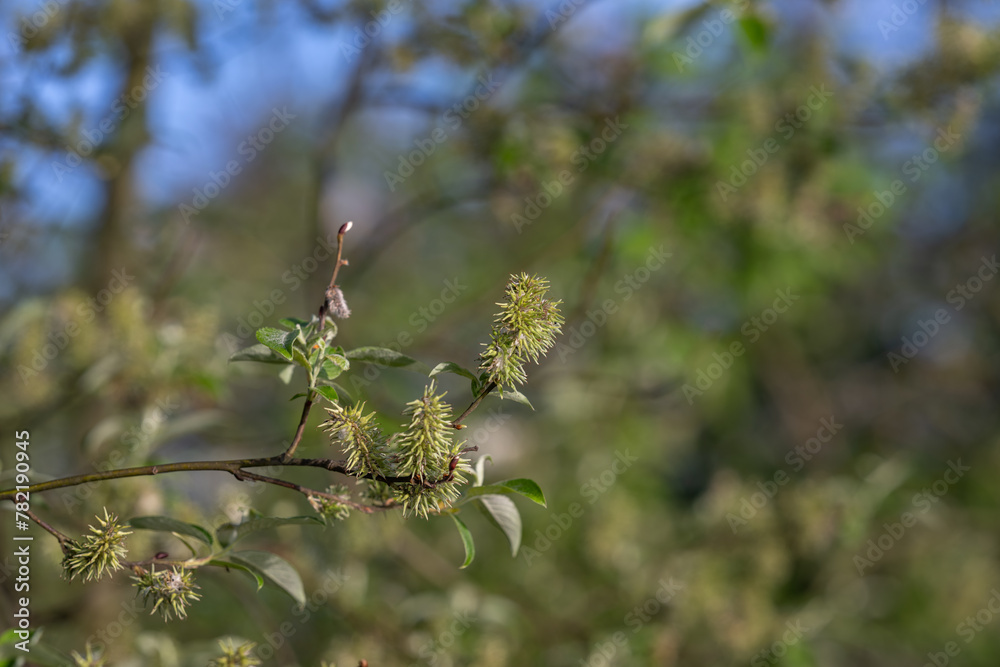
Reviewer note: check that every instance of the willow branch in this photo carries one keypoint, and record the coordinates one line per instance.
(63, 539)
(235, 467)
(323, 310)
(475, 404)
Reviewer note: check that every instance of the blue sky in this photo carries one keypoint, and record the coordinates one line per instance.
(285, 60)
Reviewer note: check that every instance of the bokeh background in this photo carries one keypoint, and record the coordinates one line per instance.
(773, 229)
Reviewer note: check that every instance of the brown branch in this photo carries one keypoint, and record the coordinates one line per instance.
(306, 491)
(63, 539)
(323, 311)
(475, 404)
(235, 467)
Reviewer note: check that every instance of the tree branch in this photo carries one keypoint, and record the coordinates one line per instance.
(475, 404)
(323, 311)
(235, 467)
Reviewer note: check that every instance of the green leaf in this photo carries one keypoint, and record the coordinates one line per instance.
(524, 487)
(451, 367)
(243, 568)
(264, 523)
(299, 357)
(334, 365)
(286, 374)
(278, 340)
(383, 356)
(502, 513)
(470, 546)
(260, 353)
(516, 396)
(277, 569)
(292, 322)
(329, 393)
(165, 524)
(226, 534)
(342, 392)
(481, 469)
(9, 637)
(527, 488)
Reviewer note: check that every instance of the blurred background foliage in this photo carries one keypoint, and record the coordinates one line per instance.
(115, 115)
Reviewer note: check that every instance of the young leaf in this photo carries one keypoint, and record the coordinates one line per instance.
(277, 569)
(260, 353)
(165, 524)
(299, 357)
(286, 374)
(524, 487)
(334, 365)
(527, 488)
(243, 568)
(226, 534)
(383, 356)
(451, 367)
(516, 396)
(329, 393)
(481, 469)
(278, 340)
(502, 513)
(292, 322)
(470, 546)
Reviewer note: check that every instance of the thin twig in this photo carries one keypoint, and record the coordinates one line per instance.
(63, 539)
(306, 491)
(323, 310)
(475, 404)
(234, 467)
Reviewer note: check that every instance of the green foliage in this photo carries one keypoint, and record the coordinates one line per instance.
(276, 569)
(706, 167)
